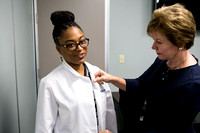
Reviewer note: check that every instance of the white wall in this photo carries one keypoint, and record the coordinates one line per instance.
(128, 22)
(17, 67)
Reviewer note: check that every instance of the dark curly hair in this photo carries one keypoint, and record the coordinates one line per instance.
(62, 20)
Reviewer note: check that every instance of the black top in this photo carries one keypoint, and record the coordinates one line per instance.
(172, 97)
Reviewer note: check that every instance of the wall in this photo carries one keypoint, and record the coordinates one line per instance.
(89, 14)
(17, 73)
(128, 22)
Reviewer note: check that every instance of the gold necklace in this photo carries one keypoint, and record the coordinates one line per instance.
(180, 63)
(165, 73)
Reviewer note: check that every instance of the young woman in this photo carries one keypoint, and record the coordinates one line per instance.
(68, 100)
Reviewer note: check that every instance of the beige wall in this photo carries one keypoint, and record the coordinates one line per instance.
(89, 14)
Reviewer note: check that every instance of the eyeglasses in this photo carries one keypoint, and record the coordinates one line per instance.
(73, 46)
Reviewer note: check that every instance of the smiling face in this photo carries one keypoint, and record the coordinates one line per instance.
(69, 36)
(163, 47)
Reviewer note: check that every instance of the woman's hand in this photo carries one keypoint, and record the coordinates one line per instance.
(102, 76)
(105, 131)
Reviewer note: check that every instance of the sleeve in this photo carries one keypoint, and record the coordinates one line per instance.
(111, 121)
(46, 109)
(132, 100)
(131, 103)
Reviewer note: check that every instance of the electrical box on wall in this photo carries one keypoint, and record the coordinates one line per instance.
(121, 59)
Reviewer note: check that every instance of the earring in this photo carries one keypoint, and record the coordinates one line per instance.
(181, 48)
(61, 59)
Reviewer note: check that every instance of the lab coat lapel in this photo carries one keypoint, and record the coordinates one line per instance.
(100, 96)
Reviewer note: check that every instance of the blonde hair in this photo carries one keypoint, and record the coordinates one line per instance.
(176, 23)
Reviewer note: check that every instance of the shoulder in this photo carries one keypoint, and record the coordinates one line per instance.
(196, 67)
(53, 75)
(158, 61)
(191, 79)
(194, 72)
(157, 64)
(188, 77)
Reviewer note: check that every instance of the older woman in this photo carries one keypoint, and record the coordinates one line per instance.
(170, 87)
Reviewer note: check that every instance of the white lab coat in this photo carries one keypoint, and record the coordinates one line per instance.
(66, 103)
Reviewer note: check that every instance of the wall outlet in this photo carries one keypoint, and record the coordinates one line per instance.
(121, 59)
